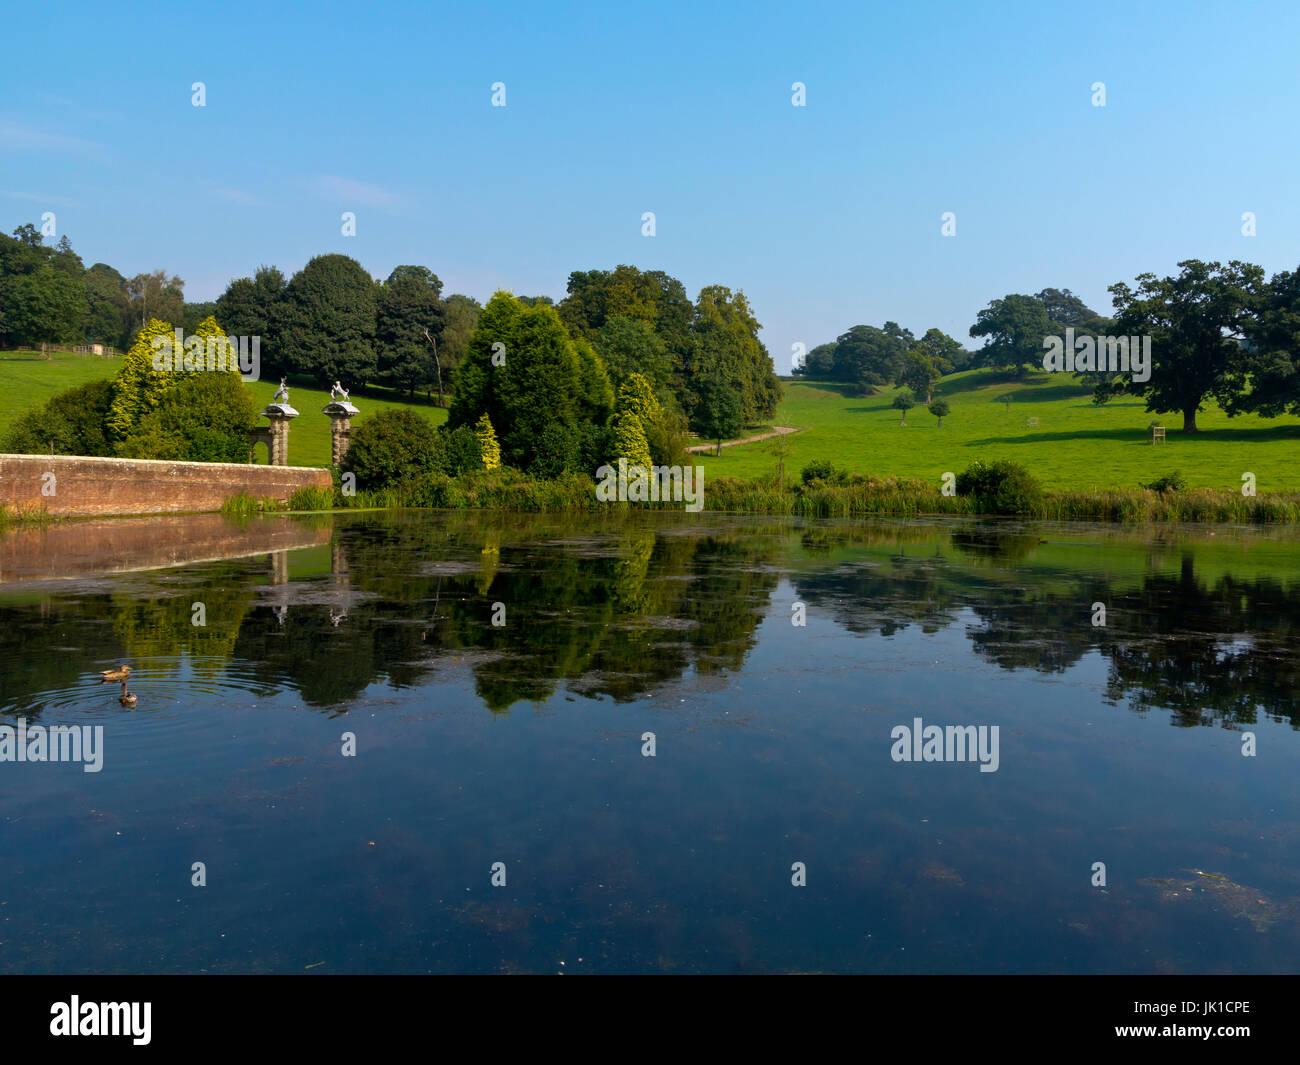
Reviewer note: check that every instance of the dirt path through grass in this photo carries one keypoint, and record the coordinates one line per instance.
(777, 430)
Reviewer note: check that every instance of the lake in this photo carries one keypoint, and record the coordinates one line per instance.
(476, 742)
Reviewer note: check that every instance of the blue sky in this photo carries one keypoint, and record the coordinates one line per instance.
(826, 216)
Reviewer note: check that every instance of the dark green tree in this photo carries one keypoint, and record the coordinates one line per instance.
(818, 364)
(71, 423)
(719, 414)
(408, 328)
(108, 315)
(538, 378)
(1064, 308)
(1196, 322)
(904, 401)
(46, 306)
(1263, 377)
(254, 307)
(630, 345)
(1014, 327)
(941, 349)
(726, 343)
(651, 296)
(869, 358)
(327, 329)
(919, 373)
(461, 316)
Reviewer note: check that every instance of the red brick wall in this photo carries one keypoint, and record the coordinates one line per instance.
(91, 486)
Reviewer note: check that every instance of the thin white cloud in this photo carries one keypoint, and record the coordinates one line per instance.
(345, 191)
(19, 136)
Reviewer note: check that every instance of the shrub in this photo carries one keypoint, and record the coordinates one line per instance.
(434, 489)
(666, 435)
(596, 447)
(71, 423)
(1169, 482)
(141, 383)
(820, 470)
(394, 448)
(461, 451)
(1000, 488)
(630, 441)
(205, 417)
(559, 451)
(638, 396)
(488, 448)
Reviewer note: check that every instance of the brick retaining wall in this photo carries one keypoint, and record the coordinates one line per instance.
(85, 487)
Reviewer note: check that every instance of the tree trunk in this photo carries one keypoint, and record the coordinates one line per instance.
(1189, 420)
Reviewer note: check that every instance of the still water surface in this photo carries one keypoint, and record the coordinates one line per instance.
(522, 742)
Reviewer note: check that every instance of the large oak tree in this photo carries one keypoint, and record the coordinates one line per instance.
(1196, 322)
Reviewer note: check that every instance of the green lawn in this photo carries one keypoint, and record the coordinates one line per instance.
(27, 381)
(1076, 445)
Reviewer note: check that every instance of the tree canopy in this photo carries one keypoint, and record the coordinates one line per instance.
(1196, 321)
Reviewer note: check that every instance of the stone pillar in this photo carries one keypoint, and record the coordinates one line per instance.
(279, 415)
(340, 414)
(279, 441)
(340, 431)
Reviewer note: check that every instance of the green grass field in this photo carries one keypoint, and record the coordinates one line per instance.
(1076, 445)
(27, 381)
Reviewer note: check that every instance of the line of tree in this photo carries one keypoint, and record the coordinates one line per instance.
(619, 369)
(1219, 332)
(691, 353)
(333, 321)
(871, 358)
(48, 297)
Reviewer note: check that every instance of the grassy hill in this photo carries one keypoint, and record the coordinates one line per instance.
(27, 381)
(1075, 445)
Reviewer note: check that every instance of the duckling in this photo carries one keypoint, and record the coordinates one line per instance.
(121, 673)
(127, 698)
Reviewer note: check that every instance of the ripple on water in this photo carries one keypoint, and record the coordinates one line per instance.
(171, 693)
